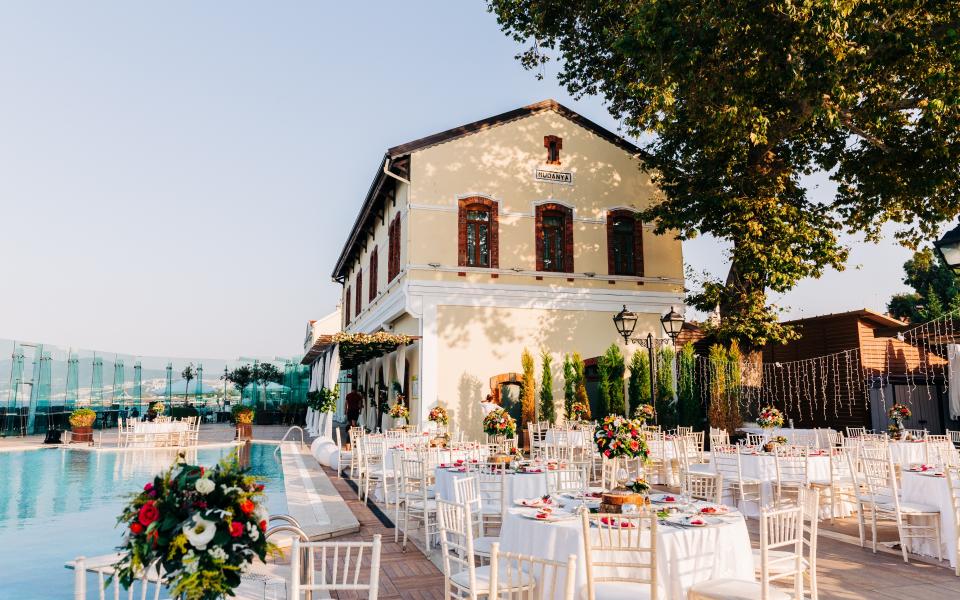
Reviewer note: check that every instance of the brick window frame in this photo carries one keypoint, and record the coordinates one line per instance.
(566, 212)
(374, 267)
(472, 203)
(553, 144)
(612, 216)
(346, 307)
(393, 252)
(359, 287)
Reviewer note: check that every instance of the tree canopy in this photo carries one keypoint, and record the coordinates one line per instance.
(738, 101)
(936, 290)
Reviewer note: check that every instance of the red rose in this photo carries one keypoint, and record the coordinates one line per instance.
(236, 529)
(136, 528)
(148, 487)
(148, 513)
(247, 507)
(263, 525)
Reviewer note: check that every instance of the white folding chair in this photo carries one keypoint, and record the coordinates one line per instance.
(727, 462)
(523, 577)
(100, 569)
(620, 551)
(702, 486)
(338, 568)
(954, 437)
(467, 494)
(953, 484)
(791, 468)
(779, 560)
(855, 432)
(416, 501)
(567, 480)
(840, 483)
(781, 557)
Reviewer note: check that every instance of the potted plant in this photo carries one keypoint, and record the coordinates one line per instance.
(81, 425)
(897, 413)
(243, 417)
(156, 409)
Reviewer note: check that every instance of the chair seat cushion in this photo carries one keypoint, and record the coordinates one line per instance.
(418, 503)
(483, 579)
(733, 589)
(619, 590)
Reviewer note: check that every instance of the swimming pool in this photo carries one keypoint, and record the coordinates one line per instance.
(57, 504)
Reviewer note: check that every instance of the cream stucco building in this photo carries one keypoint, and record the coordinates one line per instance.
(513, 232)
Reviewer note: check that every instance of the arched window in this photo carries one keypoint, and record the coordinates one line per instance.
(554, 233)
(478, 235)
(624, 243)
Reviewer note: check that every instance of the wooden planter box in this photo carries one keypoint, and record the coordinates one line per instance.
(81, 435)
(244, 431)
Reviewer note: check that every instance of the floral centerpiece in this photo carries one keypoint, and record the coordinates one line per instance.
(897, 413)
(499, 423)
(201, 529)
(618, 437)
(154, 410)
(400, 411)
(439, 416)
(644, 413)
(579, 412)
(639, 486)
(770, 418)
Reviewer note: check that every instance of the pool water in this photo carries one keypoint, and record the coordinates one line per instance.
(58, 504)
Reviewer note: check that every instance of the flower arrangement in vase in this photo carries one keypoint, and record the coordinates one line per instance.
(243, 417)
(499, 424)
(897, 413)
(439, 416)
(400, 411)
(579, 412)
(770, 418)
(618, 437)
(645, 413)
(200, 529)
(155, 410)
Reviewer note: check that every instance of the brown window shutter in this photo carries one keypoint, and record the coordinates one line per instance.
(359, 286)
(374, 259)
(346, 309)
(638, 267)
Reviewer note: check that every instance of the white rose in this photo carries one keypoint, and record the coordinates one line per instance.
(217, 553)
(200, 532)
(205, 486)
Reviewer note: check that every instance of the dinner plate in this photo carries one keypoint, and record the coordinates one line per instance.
(718, 509)
(532, 503)
(550, 518)
(932, 474)
(665, 499)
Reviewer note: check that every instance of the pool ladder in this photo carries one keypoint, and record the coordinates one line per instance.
(284, 438)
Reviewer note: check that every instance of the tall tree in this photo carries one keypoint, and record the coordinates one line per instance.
(615, 371)
(739, 101)
(580, 388)
(936, 290)
(569, 385)
(528, 394)
(188, 375)
(240, 377)
(548, 408)
(603, 388)
(639, 384)
(666, 407)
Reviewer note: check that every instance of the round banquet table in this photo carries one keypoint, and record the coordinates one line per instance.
(907, 453)
(762, 467)
(519, 485)
(818, 438)
(169, 427)
(934, 492)
(685, 556)
(446, 456)
(577, 438)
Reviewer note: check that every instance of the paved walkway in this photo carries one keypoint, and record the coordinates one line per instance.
(404, 575)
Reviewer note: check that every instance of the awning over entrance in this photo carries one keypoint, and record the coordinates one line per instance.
(358, 348)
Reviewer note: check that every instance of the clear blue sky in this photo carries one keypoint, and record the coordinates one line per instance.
(177, 178)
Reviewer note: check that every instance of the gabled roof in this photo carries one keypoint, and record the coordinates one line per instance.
(376, 194)
(864, 314)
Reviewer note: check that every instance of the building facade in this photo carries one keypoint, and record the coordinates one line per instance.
(517, 231)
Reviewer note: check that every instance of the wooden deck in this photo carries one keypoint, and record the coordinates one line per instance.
(403, 575)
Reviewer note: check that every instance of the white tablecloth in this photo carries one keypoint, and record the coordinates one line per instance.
(763, 468)
(799, 437)
(168, 427)
(907, 453)
(446, 456)
(519, 485)
(684, 556)
(933, 491)
(577, 437)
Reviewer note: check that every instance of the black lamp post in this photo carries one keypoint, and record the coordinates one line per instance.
(672, 323)
(949, 248)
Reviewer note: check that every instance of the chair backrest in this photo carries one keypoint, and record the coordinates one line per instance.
(726, 461)
(456, 541)
(916, 434)
(511, 573)
(719, 437)
(791, 464)
(952, 475)
(620, 548)
(335, 566)
(567, 480)
(855, 432)
(414, 479)
(756, 439)
(702, 486)
(145, 587)
(954, 437)
(611, 466)
(781, 530)
(942, 453)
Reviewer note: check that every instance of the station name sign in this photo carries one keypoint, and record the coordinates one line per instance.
(564, 177)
